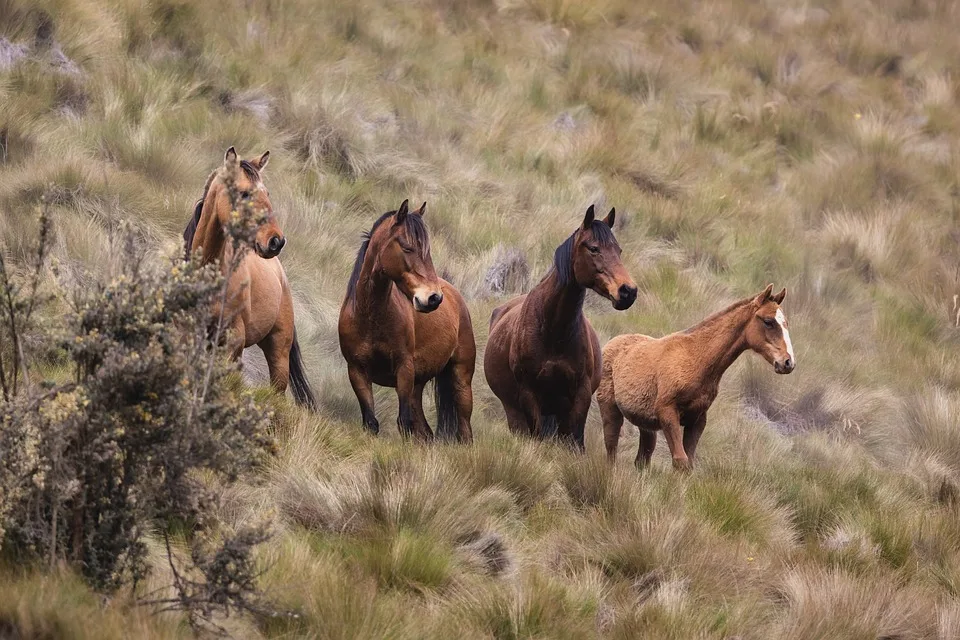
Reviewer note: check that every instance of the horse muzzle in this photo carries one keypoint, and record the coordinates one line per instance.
(430, 304)
(785, 366)
(273, 248)
(626, 296)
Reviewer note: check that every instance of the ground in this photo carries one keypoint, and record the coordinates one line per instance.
(808, 144)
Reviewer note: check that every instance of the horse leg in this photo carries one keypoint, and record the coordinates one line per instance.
(612, 419)
(363, 389)
(670, 423)
(648, 442)
(531, 411)
(405, 385)
(516, 421)
(276, 349)
(575, 422)
(420, 427)
(463, 399)
(236, 339)
(691, 435)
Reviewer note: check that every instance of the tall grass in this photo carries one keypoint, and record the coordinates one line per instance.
(742, 143)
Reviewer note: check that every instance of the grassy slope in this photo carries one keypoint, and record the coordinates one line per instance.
(742, 143)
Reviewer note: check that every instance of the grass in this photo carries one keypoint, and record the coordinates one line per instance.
(809, 146)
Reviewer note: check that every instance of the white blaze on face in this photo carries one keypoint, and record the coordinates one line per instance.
(782, 321)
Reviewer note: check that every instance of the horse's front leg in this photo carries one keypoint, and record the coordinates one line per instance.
(420, 427)
(530, 405)
(691, 436)
(574, 424)
(363, 388)
(405, 387)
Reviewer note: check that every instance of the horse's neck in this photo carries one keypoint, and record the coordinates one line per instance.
(372, 296)
(559, 307)
(212, 237)
(720, 341)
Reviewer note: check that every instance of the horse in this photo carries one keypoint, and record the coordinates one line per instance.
(542, 359)
(668, 384)
(259, 304)
(401, 326)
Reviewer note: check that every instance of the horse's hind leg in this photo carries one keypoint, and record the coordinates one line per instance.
(363, 388)
(612, 419)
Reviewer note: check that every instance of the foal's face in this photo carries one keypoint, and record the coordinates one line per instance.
(597, 265)
(405, 258)
(768, 333)
(269, 239)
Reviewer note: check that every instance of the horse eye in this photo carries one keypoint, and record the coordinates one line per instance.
(770, 322)
(593, 249)
(245, 195)
(406, 249)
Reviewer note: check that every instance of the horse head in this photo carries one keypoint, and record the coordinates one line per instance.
(595, 261)
(404, 256)
(249, 188)
(767, 332)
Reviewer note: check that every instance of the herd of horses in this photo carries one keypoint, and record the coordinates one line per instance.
(402, 326)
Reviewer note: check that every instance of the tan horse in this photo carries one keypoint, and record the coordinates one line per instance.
(259, 305)
(543, 358)
(669, 383)
(401, 326)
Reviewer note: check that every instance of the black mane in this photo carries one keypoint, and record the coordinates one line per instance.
(563, 256)
(188, 234)
(413, 224)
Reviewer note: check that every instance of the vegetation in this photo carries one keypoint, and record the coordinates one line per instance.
(809, 144)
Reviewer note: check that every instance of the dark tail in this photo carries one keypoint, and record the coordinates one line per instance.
(548, 427)
(448, 423)
(302, 394)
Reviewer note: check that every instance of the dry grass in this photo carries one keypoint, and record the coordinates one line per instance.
(742, 143)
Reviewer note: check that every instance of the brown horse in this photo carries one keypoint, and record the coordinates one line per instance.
(669, 383)
(259, 307)
(401, 326)
(543, 358)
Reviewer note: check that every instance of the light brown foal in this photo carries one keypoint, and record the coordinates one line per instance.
(668, 384)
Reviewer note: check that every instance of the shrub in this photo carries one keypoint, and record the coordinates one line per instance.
(94, 463)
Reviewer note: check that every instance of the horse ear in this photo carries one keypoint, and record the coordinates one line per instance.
(588, 218)
(264, 159)
(764, 295)
(230, 157)
(780, 296)
(611, 217)
(402, 212)
(422, 210)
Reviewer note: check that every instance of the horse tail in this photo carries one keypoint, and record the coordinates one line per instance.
(548, 426)
(448, 418)
(299, 385)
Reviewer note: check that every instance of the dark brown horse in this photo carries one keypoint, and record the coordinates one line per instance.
(667, 384)
(401, 326)
(259, 305)
(543, 358)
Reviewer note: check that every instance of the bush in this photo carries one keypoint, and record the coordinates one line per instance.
(96, 462)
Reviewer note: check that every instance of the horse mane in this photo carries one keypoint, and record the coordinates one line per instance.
(713, 317)
(563, 256)
(188, 234)
(413, 224)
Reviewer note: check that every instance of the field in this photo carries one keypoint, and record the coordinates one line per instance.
(813, 145)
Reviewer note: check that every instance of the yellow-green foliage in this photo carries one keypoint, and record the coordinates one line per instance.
(812, 145)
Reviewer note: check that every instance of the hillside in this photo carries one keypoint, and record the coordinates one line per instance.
(813, 145)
